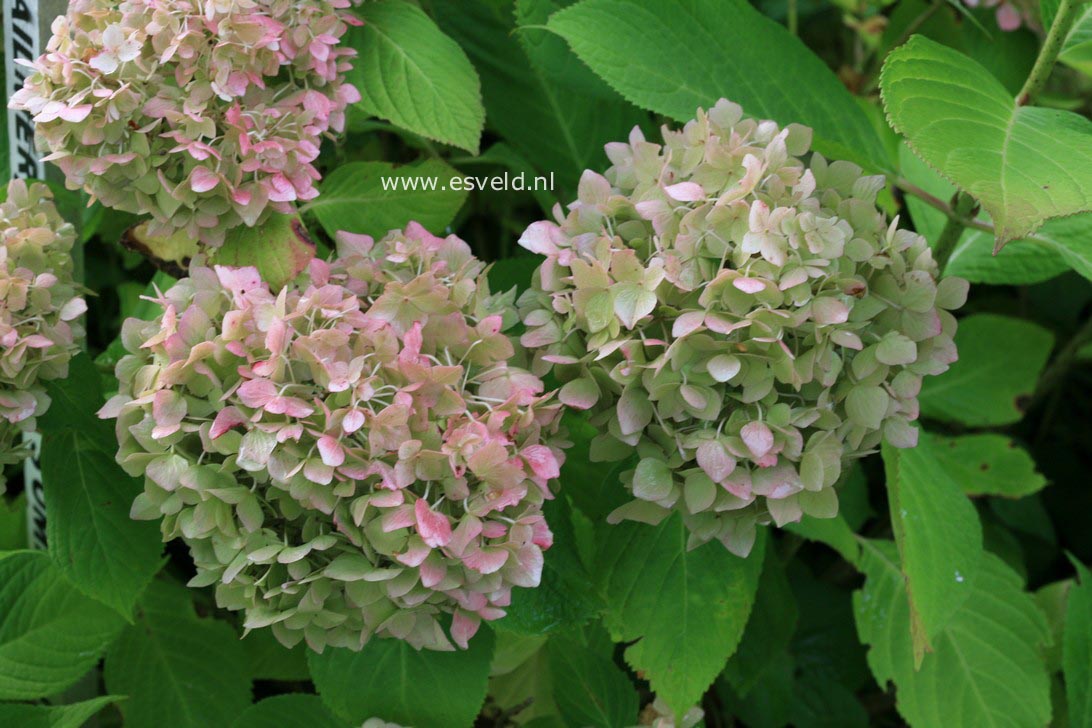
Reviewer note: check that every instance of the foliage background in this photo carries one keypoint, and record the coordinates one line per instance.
(943, 594)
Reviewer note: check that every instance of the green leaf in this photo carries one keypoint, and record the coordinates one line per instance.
(515, 272)
(672, 56)
(589, 689)
(986, 668)
(986, 464)
(992, 379)
(270, 660)
(22, 715)
(566, 596)
(279, 248)
(1022, 262)
(1077, 649)
(50, 634)
(834, 532)
(13, 523)
(550, 55)
(769, 629)
(685, 610)
(410, 73)
(1071, 238)
(102, 551)
(820, 702)
(388, 679)
(178, 671)
(295, 710)
(527, 687)
(939, 538)
(354, 199)
(539, 113)
(1024, 164)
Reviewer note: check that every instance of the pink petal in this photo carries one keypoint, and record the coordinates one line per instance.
(715, 460)
(687, 323)
(542, 237)
(758, 438)
(434, 527)
(257, 392)
(685, 192)
(331, 451)
(542, 461)
(225, 419)
(203, 179)
(486, 561)
(463, 627)
(749, 285)
(238, 280)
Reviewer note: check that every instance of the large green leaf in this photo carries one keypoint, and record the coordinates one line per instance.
(23, 715)
(986, 464)
(551, 56)
(178, 671)
(986, 668)
(50, 634)
(939, 538)
(279, 248)
(388, 679)
(376, 197)
(1077, 650)
(528, 687)
(684, 610)
(538, 112)
(13, 523)
(1028, 260)
(834, 532)
(295, 710)
(769, 629)
(993, 377)
(589, 689)
(566, 596)
(270, 660)
(672, 56)
(1024, 164)
(409, 72)
(102, 551)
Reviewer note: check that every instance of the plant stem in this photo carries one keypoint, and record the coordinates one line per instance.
(1055, 373)
(793, 20)
(963, 208)
(1068, 11)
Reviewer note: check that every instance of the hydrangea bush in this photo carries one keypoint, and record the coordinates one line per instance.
(347, 448)
(203, 115)
(351, 455)
(745, 320)
(40, 308)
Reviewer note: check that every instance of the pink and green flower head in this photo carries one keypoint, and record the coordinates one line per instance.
(40, 307)
(203, 115)
(353, 455)
(743, 319)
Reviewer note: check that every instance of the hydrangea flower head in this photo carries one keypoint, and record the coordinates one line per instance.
(205, 115)
(351, 455)
(745, 321)
(39, 307)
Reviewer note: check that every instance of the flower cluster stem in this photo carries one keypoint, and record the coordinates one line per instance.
(1068, 12)
(963, 207)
